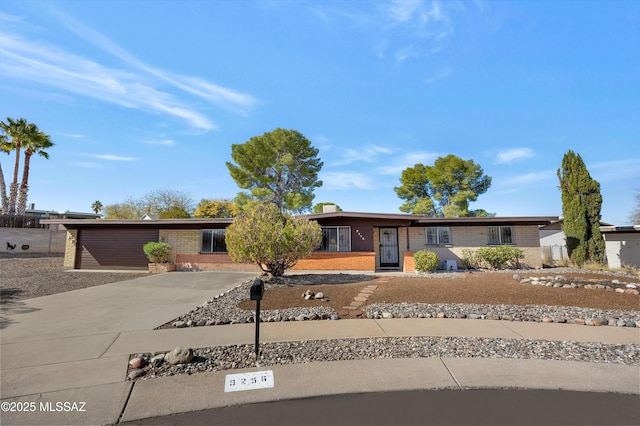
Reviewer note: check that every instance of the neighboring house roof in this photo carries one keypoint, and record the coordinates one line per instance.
(61, 215)
(611, 229)
(407, 219)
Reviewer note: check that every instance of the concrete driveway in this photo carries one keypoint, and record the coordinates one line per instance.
(57, 346)
(139, 304)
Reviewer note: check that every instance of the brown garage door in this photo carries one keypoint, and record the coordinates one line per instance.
(113, 248)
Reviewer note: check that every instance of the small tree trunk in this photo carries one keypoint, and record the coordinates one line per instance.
(3, 193)
(21, 204)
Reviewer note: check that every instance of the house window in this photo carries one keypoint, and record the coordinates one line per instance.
(213, 241)
(438, 235)
(500, 235)
(336, 238)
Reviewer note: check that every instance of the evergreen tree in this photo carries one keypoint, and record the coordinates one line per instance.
(280, 167)
(444, 189)
(581, 207)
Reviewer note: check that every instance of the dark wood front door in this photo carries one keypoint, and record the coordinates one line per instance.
(389, 255)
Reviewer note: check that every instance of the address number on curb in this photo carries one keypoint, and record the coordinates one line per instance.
(248, 381)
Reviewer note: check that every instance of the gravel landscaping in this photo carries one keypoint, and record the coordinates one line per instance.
(580, 297)
(25, 276)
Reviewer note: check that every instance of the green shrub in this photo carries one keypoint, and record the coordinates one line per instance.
(157, 252)
(499, 257)
(426, 261)
(469, 259)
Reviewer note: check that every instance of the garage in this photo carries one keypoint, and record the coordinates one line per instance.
(113, 248)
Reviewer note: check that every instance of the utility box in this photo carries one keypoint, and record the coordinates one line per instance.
(451, 265)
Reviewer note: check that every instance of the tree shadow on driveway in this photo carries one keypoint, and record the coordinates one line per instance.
(11, 305)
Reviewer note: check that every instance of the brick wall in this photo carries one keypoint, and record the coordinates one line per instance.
(473, 237)
(211, 262)
(337, 261)
(70, 248)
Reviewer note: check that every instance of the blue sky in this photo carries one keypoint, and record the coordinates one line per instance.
(143, 95)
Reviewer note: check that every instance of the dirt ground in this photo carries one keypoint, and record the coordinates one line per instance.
(493, 288)
(24, 277)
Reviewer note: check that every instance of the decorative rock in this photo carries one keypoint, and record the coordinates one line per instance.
(579, 321)
(179, 356)
(136, 362)
(133, 374)
(441, 315)
(319, 295)
(547, 319)
(335, 317)
(619, 290)
(179, 324)
(387, 315)
(631, 291)
(157, 361)
(301, 318)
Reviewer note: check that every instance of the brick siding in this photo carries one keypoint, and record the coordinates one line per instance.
(336, 261)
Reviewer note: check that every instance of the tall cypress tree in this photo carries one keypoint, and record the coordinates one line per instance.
(581, 207)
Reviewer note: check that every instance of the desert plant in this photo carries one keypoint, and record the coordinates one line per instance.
(426, 261)
(469, 259)
(157, 252)
(271, 239)
(498, 257)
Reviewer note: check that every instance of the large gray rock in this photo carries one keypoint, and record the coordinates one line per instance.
(179, 356)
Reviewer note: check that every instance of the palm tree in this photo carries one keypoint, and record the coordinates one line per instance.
(96, 206)
(6, 148)
(34, 144)
(19, 131)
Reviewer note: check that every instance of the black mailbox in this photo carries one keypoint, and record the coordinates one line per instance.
(257, 289)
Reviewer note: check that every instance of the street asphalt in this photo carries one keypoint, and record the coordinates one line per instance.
(64, 359)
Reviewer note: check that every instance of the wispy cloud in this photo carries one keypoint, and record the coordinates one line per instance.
(160, 142)
(509, 155)
(72, 135)
(410, 159)
(339, 181)
(368, 154)
(111, 157)
(608, 171)
(532, 177)
(397, 29)
(134, 85)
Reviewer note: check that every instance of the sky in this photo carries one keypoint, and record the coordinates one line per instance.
(145, 95)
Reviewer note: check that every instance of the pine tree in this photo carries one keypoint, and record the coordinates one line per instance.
(581, 207)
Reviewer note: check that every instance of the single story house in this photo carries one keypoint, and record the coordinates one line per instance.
(351, 241)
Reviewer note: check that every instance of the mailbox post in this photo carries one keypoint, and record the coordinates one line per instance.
(257, 290)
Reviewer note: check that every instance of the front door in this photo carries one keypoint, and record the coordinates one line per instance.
(389, 248)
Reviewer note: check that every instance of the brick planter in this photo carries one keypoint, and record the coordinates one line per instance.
(159, 268)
